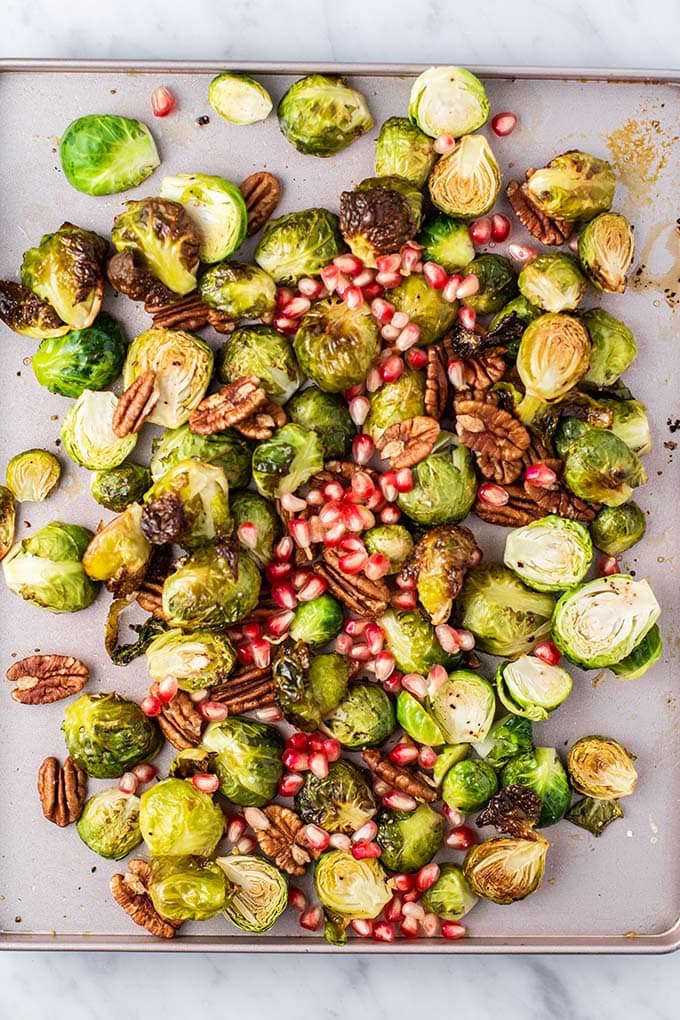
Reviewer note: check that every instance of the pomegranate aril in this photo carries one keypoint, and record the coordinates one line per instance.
(343, 644)
(269, 714)
(399, 801)
(380, 787)
(388, 263)
(298, 741)
(315, 587)
(351, 265)
(392, 910)
(363, 448)
(373, 379)
(403, 754)
(366, 850)
(468, 286)
(388, 280)
(466, 640)
(390, 514)
(128, 783)
(316, 837)
(409, 336)
(252, 630)
(411, 896)
(279, 624)
(492, 494)
(145, 772)
(383, 932)
(448, 638)
(392, 368)
(451, 288)
(167, 689)
(443, 144)
(429, 926)
(427, 876)
(573, 244)
(162, 101)
(244, 654)
(275, 572)
(389, 333)
(248, 534)
(296, 898)
(367, 833)
(403, 480)
(360, 653)
(393, 682)
(480, 231)
(453, 816)
(296, 308)
(332, 748)
(316, 529)
(364, 279)
(410, 257)
(388, 486)
(330, 276)
(416, 357)
(404, 883)
(540, 475)
(262, 652)
(427, 757)
(461, 838)
(339, 841)
(236, 827)
(374, 637)
(522, 252)
(312, 919)
(503, 123)
(292, 503)
(382, 311)
(205, 782)
(358, 410)
(455, 370)
(318, 764)
(436, 676)
(406, 600)
(284, 596)
(467, 317)
(384, 666)
(407, 582)
(315, 497)
(213, 711)
(286, 325)
(376, 567)
(435, 275)
(362, 927)
(310, 288)
(352, 563)
(500, 227)
(410, 928)
(548, 652)
(453, 930)
(353, 297)
(296, 761)
(607, 566)
(284, 295)
(246, 845)
(372, 290)
(333, 534)
(355, 627)
(399, 320)
(290, 784)
(362, 486)
(150, 705)
(301, 532)
(414, 909)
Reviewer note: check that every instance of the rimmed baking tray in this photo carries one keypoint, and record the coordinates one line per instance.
(620, 893)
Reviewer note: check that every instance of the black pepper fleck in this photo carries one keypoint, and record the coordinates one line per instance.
(202, 121)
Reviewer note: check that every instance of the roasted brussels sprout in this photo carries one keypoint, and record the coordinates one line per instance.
(118, 487)
(247, 759)
(631, 424)
(403, 150)
(532, 688)
(379, 216)
(239, 98)
(87, 432)
(320, 115)
(594, 815)
(409, 839)
(469, 785)
(32, 475)
(119, 553)
(258, 892)
(417, 722)
(207, 591)
(46, 568)
(411, 638)
(308, 688)
(601, 768)
(425, 306)
(450, 897)
(541, 771)
(467, 181)
(551, 554)
(67, 271)
(284, 462)
(521, 308)
(189, 504)
(7, 521)
(445, 487)
(600, 468)
(263, 352)
(553, 282)
(177, 819)
(644, 655)
(503, 614)
(395, 401)
(250, 508)
(108, 735)
(109, 824)
(600, 622)
(187, 888)
(101, 154)
(342, 802)
(349, 888)
(504, 869)
(327, 415)
(553, 356)
(239, 289)
(573, 186)
(605, 249)
(463, 706)
(509, 736)
(27, 314)
(497, 283)
(613, 347)
(299, 244)
(336, 345)
(448, 100)
(439, 563)
(364, 718)
(197, 660)
(618, 528)
(183, 364)
(190, 761)
(161, 234)
(392, 541)
(217, 209)
(318, 621)
(227, 450)
(84, 359)
(446, 242)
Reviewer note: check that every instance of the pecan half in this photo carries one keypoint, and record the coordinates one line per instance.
(495, 436)
(518, 511)
(233, 404)
(42, 679)
(356, 592)
(180, 721)
(408, 442)
(131, 892)
(135, 404)
(280, 840)
(150, 599)
(557, 499)
(261, 192)
(436, 382)
(400, 778)
(62, 790)
(188, 313)
(220, 321)
(250, 688)
(150, 594)
(482, 372)
(264, 422)
(548, 231)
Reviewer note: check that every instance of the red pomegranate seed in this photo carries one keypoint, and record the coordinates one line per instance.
(448, 638)
(390, 333)
(301, 532)
(213, 711)
(392, 683)
(372, 290)
(416, 357)
(461, 838)
(332, 511)
(286, 325)
(383, 932)
(312, 919)
(377, 566)
(362, 927)
(284, 595)
(548, 652)
(310, 288)
(607, 566)
(363, 448)
(300, 577)
(399, 801)
(403, 480)
(382, 311)
(427, 757)
(150, 705)
(404, 883)
(332, 748)
(330, 276)
(522, 252)
(411, 897)
(318, 764)
(406, 600)
(236, 827)
(410, 257)
(540, 475)
(467, 317)
(492, 494)
(409, 336)
(275, 572)
(412, 908)
(162, 101)
(451, 288)
(365, 278)
(455, 370)
(380, 787)
(248, 534)
(480, 231)
(315, 497)
(392, 910)
(410, 928)
(296, 761)
(349, 264)
(392, 368)
(408, 582)
(403, 754)
(384, 665)
(388, 280)
(355, 627)
(373, 381)
(500, 227)
(244, 654)
(312, 590)
(167, 689)
(367, 832)
(443, 144)
(399, 320)
(362, 485)
(284, 295)
(360, 653)
(279, 624)
(430, 926)
(388, 263)
(435, 275)
(374, 637)
(468, 286)
(262, 652)
(269, 714)
(292, 503)
(388, 486)
(353, 563)
(298, 741)
(290, 784)
(427, 876)
(296, 308)
(358, 410)
(296, 898)
(316, 837)
(390, 514)
(367, 850)
(453, 930)
(436, 676)
(252, 630)
(339, 841)
(205, 782)
(343, 644)
(466, 640)
(353, 297)
(334, 534)
(145, 772)
(128, 783)
(504, 123)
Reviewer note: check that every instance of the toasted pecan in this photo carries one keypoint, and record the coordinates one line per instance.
(436, 382)
(261, 192)
(62, 790)
(264, 422)
(131, 892)
(547, 230)
(357, 592)
(135, 404)
(180, 721)
(186, 313)
(42, 679)
(408, 442)
(496, 437)
(398, 777)
(234, 403)
(280, 840)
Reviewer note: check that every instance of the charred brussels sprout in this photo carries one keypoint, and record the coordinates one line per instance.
(249, 508)
(7, 521)
(509, 736)
(189, 504)
(284, 462)
(109, 824)
(27, 314)
(84, 359)
(32, 475)
(425, 306)
(239, 289)
(553, 282)
(553, 356)
(196, 660)
(187, 888)
(450, 897)
(417, 722)
(392, 541)
(445, 487)
(327, 415)
(532, 688)
(551, 554)
(439, 562)
(411, 638)
(318, 621)
(364, 718)
(336, 345)
(299, 244)
(601, 768)
(573, 186)
(379, 216)
(208, 591)
(403, 150)
(600, 622)
(448, 100)
(463, 706)
(161, 234)
(217, 209)
(46, 568)
(469, 785)
(613, 347)
(396, 401)
(308, 688)
(108, 735)
(605, 249)
(503, 614)
(247, 759)
(341, 802)
(409, 839)
(102, 154)
(600, 468)
(188, 762)
(118, 487)
(119, 553)
(446, 242)
(227, 450)
(87, 432)
(521, 308)
(67, 271)
(631, 424)
(239, 98)
(541, 771)
(467, 181)
(321, 114)
(351, 889)
(644, 655)
(177, 819)
(505, 869)
(618, 528)
(183, 364)
(263, 352)
(497, 283)
(258, 892)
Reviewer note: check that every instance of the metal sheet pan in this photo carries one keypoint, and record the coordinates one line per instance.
(617, 894)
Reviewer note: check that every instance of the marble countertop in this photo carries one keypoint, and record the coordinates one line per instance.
(559, 32)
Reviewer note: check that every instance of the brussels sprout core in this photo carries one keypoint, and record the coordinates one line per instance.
(605, 248)
(601, 768)
(258, 892)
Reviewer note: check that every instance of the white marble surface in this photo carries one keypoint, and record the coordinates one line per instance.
(636, 33)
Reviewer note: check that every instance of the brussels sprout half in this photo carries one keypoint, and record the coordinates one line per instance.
(605, 249)
(247, 759)
(411, 638)
(403, 150)
(336, 345)
(226, 449)
(239, 98)
(463, 706)
(197, 660)
(506, 617)
(83, 359)
(7, 521)
(258, 892)
(618, 528)
(176, 819)
(553, 356)
(207, 591)
(32, 475)
(509, 736)
(183, 364)
(161, 234)
(87, 432)
(284, 462)
(505, 869)
(409, 839)
(217, 208)
(27, 314)
(119, 552)
(327, 415)
(644, 655)
(541, 771)
(102, 154)
(364, 718)
(573, 186)
(251, 508)
(390, 540)
(467, 181)
(187, 888)
(263, 352)
(445, 487)
(379, 216)
(67, 271)
(108, 735)
(299, 244)
(341, 802)
(239, 289)
(46, 568)
(439, 563)
(630, 423)
(529, 687)
(109, 824)
(417, 722)
(118, 487)
(450, 898)
(320, 115)
(551, 554)
(601, 768)
(469, 785)
(613, 347)
(448, 100)
(308, 688)
(553, 282)
(425, 306)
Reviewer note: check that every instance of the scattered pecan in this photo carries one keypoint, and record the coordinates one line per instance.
(548, 231)
(495, 436)
(280, 840)
(150, 599)
(557, 499)
(131, 892)
(264, 422)
(180, 721)
(163, 520)
(518, 511)
(342, 471)
(482, 372)
(250, 688)
(408, 442)
(42, 679)
(188, 313)
(397, 777)
(436, 382)
(220, 321)
(61, 790)
(356, 592)
(135, 404)
(261, 192)
(233, 404)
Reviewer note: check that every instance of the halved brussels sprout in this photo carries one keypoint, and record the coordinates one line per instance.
(189, 504)
(46, 568)
(308, 688)
(320, 115)
(505, 869)
(551, 554)
(177, 819)
(162, 235)
(379, 216)
(605, 248)
(529, 687)
(618, 528)
(425, 306)
(417, 722)
(601, 768)
(32, 475)
(446, 242)
(283, 463)
(351, 889)
(439, 563)
(239, 289)
(87, 432)
(509, 736)
(101, 153)
(109, 824)
(553, 282)
(7, 521)
(247, 759)
(600, 468)
(409, 839)
(336, 345)
(395, 401)
(506, 617)
(27, 314)
(463, 706)
(448, 756)
(341, 802)
(450, 898)
(318, 621)
(118, 487)
(263, 352)
(239, 98)
(258, 893)
(390, 540)
(644, 655)
(613, 347)
(469, 785)
(183, 364)
(573, 186)
(553, 356)
(541, 771)
(410, 637)
(403, 150)
(445, 487)
(497, 283)
(208, 591)
(108, 735)
(631, 424)
(250, 508)
(364, 718)
(196, 660)
(119, 553)
(90, 358)
(217, 209)
(600, 622)
(187, 888)
(467, 181)
(226, 449)
(327, 415)
(594, 815)
(299, 244)
(448, 100)
(67, 271)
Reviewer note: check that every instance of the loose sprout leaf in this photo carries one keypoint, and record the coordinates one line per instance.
(122, 655)
(594, 815)
(514, 809)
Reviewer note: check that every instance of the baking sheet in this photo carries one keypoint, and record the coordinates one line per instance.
(620, 893)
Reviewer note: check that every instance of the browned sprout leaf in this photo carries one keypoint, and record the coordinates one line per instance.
(594, 815)
(514, 809)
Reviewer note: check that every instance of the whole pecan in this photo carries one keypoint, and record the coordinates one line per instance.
(233, 404)
(264, 422)
(359, 594)
(557, 499)
(548, 231)
(250, 688)
(187, 313)
(42, 679)
(180, 721)
(436, 382)
(408, 442)
(131, 892)
(398, 777)
(280, 840)
(61, 790)
(135, 404)
(261, 192)
(494, 435)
